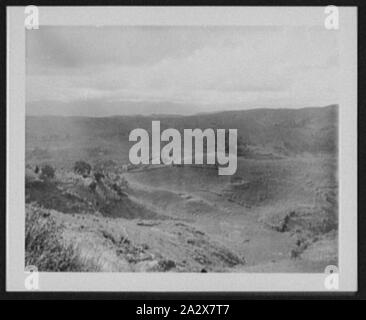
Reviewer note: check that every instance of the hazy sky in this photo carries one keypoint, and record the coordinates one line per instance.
(239, 67)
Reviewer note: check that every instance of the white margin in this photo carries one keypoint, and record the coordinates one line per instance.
(291, 16)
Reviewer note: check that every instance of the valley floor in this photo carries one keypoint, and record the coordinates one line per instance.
(183, 220)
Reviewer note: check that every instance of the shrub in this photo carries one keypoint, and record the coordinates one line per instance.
(83, 168)
(92, 187)
(44, 247)
(98, 176)
(47, 172)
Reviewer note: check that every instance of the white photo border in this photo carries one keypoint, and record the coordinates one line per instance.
(181, 282)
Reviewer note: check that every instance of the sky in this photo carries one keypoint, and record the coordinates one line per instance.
(178, 69)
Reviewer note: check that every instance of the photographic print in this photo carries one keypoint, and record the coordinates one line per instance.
(186, 150)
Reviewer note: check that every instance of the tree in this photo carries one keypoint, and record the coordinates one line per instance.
(47, 172)
(98, 176)
(83, 168)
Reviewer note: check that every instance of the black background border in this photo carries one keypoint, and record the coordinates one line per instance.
(188, 297)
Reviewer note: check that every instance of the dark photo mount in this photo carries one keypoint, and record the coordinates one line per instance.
(101, 181)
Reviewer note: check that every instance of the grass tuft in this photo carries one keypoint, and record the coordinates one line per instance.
(45, 248)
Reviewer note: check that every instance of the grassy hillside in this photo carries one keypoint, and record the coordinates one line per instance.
(278, 213)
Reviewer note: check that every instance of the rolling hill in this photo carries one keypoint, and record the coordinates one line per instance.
(286, 131)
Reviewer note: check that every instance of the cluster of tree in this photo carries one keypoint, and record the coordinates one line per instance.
(83, 168)
(47, 172)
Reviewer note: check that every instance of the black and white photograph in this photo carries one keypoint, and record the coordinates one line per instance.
(182, 144)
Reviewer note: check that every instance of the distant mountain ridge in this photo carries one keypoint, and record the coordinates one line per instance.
(291, 131)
